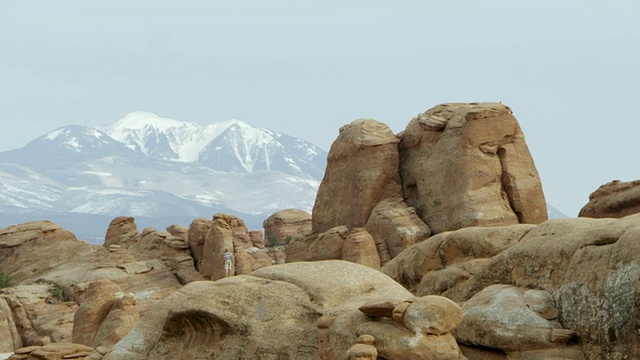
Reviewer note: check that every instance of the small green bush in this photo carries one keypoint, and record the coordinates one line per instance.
(288, 239)
(4, 280)
(58, 293)
(272, 240)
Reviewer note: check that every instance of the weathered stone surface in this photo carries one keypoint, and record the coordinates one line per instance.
(360, 248)
(197, 233)
(591, 268)
(99, 299)
(122, 231)
(39, 316)
(499, 317)
(395, 227)
(122, 317)
(468, 165)
(287, 225)
(54, 351)
(219, 239)
(9, 336)
(614, 199)
(363, 160)
(275, 302)
(450, 248)
(324, 246)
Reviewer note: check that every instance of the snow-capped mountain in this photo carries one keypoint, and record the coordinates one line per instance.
(147, 166)
(230, 146)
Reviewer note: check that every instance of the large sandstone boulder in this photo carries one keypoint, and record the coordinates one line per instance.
(362, 169)
(461, 250)
(395, 227)
(275, 307)
(105, 316)
(219, 239)
(197, 234)
(300, 311)
(615, 199)
(592, 269)
(468, 165)
(513, 320)
(286, 225)
(122, 231)
(340, 243)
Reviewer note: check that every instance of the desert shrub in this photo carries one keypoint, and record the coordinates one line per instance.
(58, 293)
(288, 239)
(4, 280)
(272, 240)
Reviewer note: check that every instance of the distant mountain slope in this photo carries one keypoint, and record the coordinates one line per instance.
(151, 167)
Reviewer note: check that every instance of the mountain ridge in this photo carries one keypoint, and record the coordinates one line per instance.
(243, 170)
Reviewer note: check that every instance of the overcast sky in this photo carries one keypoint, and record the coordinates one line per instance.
(570, 70)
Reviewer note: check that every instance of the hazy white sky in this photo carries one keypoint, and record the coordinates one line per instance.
(569, 69)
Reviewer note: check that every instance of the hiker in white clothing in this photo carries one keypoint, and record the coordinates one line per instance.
(228, 260)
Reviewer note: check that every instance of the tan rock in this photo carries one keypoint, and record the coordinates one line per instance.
(9, 336)
(178, 231)
(450, 248)
(360, 248)
(197, 233)
(591, 268)
(615, 199)
(481, 146)
(287, 225)
(122, 231)
(324, 246)
(100, 297)
(122, 317)
(395, 227)
(219, 239)
(498, 317)
(275, 302)
(54, 351)
(363, 349)
(39, 317)
(257, 239)
(363, 160)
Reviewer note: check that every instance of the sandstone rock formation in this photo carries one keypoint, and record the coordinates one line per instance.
(197, 234)
(51, 270)
(121, 231)
(362, 169)
(468, 165)
(340, 243)
(615, 199)
(514, 320)
(395, 227)
(287, 225)
(425, 330)
(277, 302)
(54, 351)
(443, 263)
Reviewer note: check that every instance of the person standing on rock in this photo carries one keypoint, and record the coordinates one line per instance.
(228, 260)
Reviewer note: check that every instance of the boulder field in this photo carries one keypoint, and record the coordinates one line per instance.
(432, 243)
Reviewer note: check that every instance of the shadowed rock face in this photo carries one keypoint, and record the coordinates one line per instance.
(468, 165)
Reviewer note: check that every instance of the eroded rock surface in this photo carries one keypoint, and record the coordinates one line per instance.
(615, 199)
(362, 169)
(468, 165)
